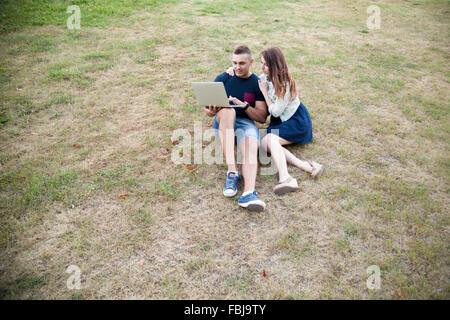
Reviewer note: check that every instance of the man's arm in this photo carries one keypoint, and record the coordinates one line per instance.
(259, 112)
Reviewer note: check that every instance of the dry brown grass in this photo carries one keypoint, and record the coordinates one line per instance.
(379, 103)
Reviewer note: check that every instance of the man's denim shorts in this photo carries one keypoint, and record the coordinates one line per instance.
(243, 128)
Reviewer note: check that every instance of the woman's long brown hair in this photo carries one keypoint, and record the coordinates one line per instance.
(278, 72)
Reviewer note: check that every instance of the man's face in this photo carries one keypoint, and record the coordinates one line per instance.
(242, 64)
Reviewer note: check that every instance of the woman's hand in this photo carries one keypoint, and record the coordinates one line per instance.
(263, 86)
(230, 71)
(236, 101)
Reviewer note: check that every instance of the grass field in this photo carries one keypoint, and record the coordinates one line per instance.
(86, 177)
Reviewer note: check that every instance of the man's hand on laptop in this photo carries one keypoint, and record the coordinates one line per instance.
(212, 110)
(236, 101)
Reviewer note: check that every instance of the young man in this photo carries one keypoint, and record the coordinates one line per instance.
(243, 91)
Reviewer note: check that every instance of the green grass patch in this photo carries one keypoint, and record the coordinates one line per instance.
(67, 72)
(42, 188)
(14, 108)
(145, 83)
(31, 44)
(21, 285)
(292, 244)
(28, 189)
(145, 50)
(143, 217)
(168, 188)
(97, 67)
(108, 178)
(386, 61)
(243, 282)
(97, 56)
(189, 108)
(383, 83)
(22, 106)
(57, 101)
(392, 196)
(94, 13)
(436, 111)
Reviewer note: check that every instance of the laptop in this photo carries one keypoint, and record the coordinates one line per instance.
(211, 93)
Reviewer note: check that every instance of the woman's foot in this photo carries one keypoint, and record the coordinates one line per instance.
(317, 169)
(289, 185)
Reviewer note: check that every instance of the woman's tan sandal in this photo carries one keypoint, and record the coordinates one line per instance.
(317, 169)
(288, 185)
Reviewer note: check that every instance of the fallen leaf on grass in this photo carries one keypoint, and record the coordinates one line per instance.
(264, 275)
(123, 196)
(77, 146)
(399, 292)
(190, 168)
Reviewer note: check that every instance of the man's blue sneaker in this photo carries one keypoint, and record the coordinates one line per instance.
(252, 202)
(230, 188)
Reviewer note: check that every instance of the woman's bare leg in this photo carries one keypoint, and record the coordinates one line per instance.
(271, 144)
(291, 159)
(288, 156)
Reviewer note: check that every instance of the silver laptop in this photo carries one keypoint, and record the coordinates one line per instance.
(211, 93)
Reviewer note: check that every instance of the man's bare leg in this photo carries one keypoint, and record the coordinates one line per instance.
(249, 150)
(249, 199)
(226, 118)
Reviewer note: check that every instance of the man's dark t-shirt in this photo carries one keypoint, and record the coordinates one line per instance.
(245, 89)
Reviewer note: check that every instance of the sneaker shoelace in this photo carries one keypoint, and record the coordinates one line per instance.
(229, 183)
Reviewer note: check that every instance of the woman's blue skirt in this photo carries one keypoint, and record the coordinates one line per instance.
(298, 129)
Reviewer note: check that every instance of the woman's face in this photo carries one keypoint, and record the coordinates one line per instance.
(264, 66)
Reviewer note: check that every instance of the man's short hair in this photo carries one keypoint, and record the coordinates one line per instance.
(242, 50)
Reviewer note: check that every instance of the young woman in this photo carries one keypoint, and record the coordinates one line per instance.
(290, 121)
